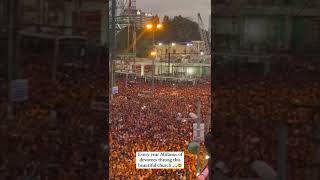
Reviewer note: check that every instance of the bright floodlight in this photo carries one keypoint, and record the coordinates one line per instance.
(153, 53)
(159, 26)
(149, 26)
(160, 44)
(201, 53)
(138, 12)
(173, 44)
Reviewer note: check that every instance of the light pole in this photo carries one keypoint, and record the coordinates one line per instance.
(198, 105)
(196, 139)
(169, 58)
(153, 27)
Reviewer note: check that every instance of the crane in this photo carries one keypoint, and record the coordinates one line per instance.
(204, 35)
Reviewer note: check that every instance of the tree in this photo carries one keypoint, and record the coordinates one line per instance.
(165, 19)
(178, 29)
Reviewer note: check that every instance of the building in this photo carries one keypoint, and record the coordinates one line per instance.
(182, 48)
(143, 67)
(186, 52)
(139, 18)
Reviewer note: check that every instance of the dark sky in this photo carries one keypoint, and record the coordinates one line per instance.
(185, 8)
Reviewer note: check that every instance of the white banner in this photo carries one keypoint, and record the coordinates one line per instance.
(195, 133)
(160, 160)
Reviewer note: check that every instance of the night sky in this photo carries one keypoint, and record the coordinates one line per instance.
(185, 8)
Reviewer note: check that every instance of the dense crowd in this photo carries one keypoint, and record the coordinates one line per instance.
(55, 134)
(248, 108)
(151, 124)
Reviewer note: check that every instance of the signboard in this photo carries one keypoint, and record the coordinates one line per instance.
(148, 69)
(19, 90)
(115, 90)
(100, 103)
(195, 133)
(138, 69)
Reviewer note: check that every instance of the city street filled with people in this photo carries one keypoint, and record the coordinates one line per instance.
(150, 123)
(248, 107)
(55, 134)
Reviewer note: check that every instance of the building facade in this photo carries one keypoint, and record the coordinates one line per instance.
(138, 17)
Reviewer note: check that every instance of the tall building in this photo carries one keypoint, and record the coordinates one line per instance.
(137, 16)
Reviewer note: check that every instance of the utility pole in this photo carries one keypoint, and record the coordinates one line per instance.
(11, 47)
(198, 105)
(169, 63)
(129, 25)
(207, 130)
(154, 49)
(112, 45)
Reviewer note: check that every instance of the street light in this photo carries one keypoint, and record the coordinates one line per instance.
(197, 116)
(160, 44)
(153, 27)
(173, 44)
(149, 26)
(153, 53)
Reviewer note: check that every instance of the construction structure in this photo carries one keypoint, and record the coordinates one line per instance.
(204, 36)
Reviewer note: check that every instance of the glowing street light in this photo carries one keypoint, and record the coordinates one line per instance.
(173, 44)
(153, 28)
(159, 26)
(160, 44)
(149, 26)
(153, 53)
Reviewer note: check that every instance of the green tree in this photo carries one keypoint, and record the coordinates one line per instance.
(178, 29)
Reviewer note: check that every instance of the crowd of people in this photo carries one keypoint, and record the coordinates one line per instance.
(55, 134)
(150, 123)
(249, 107)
